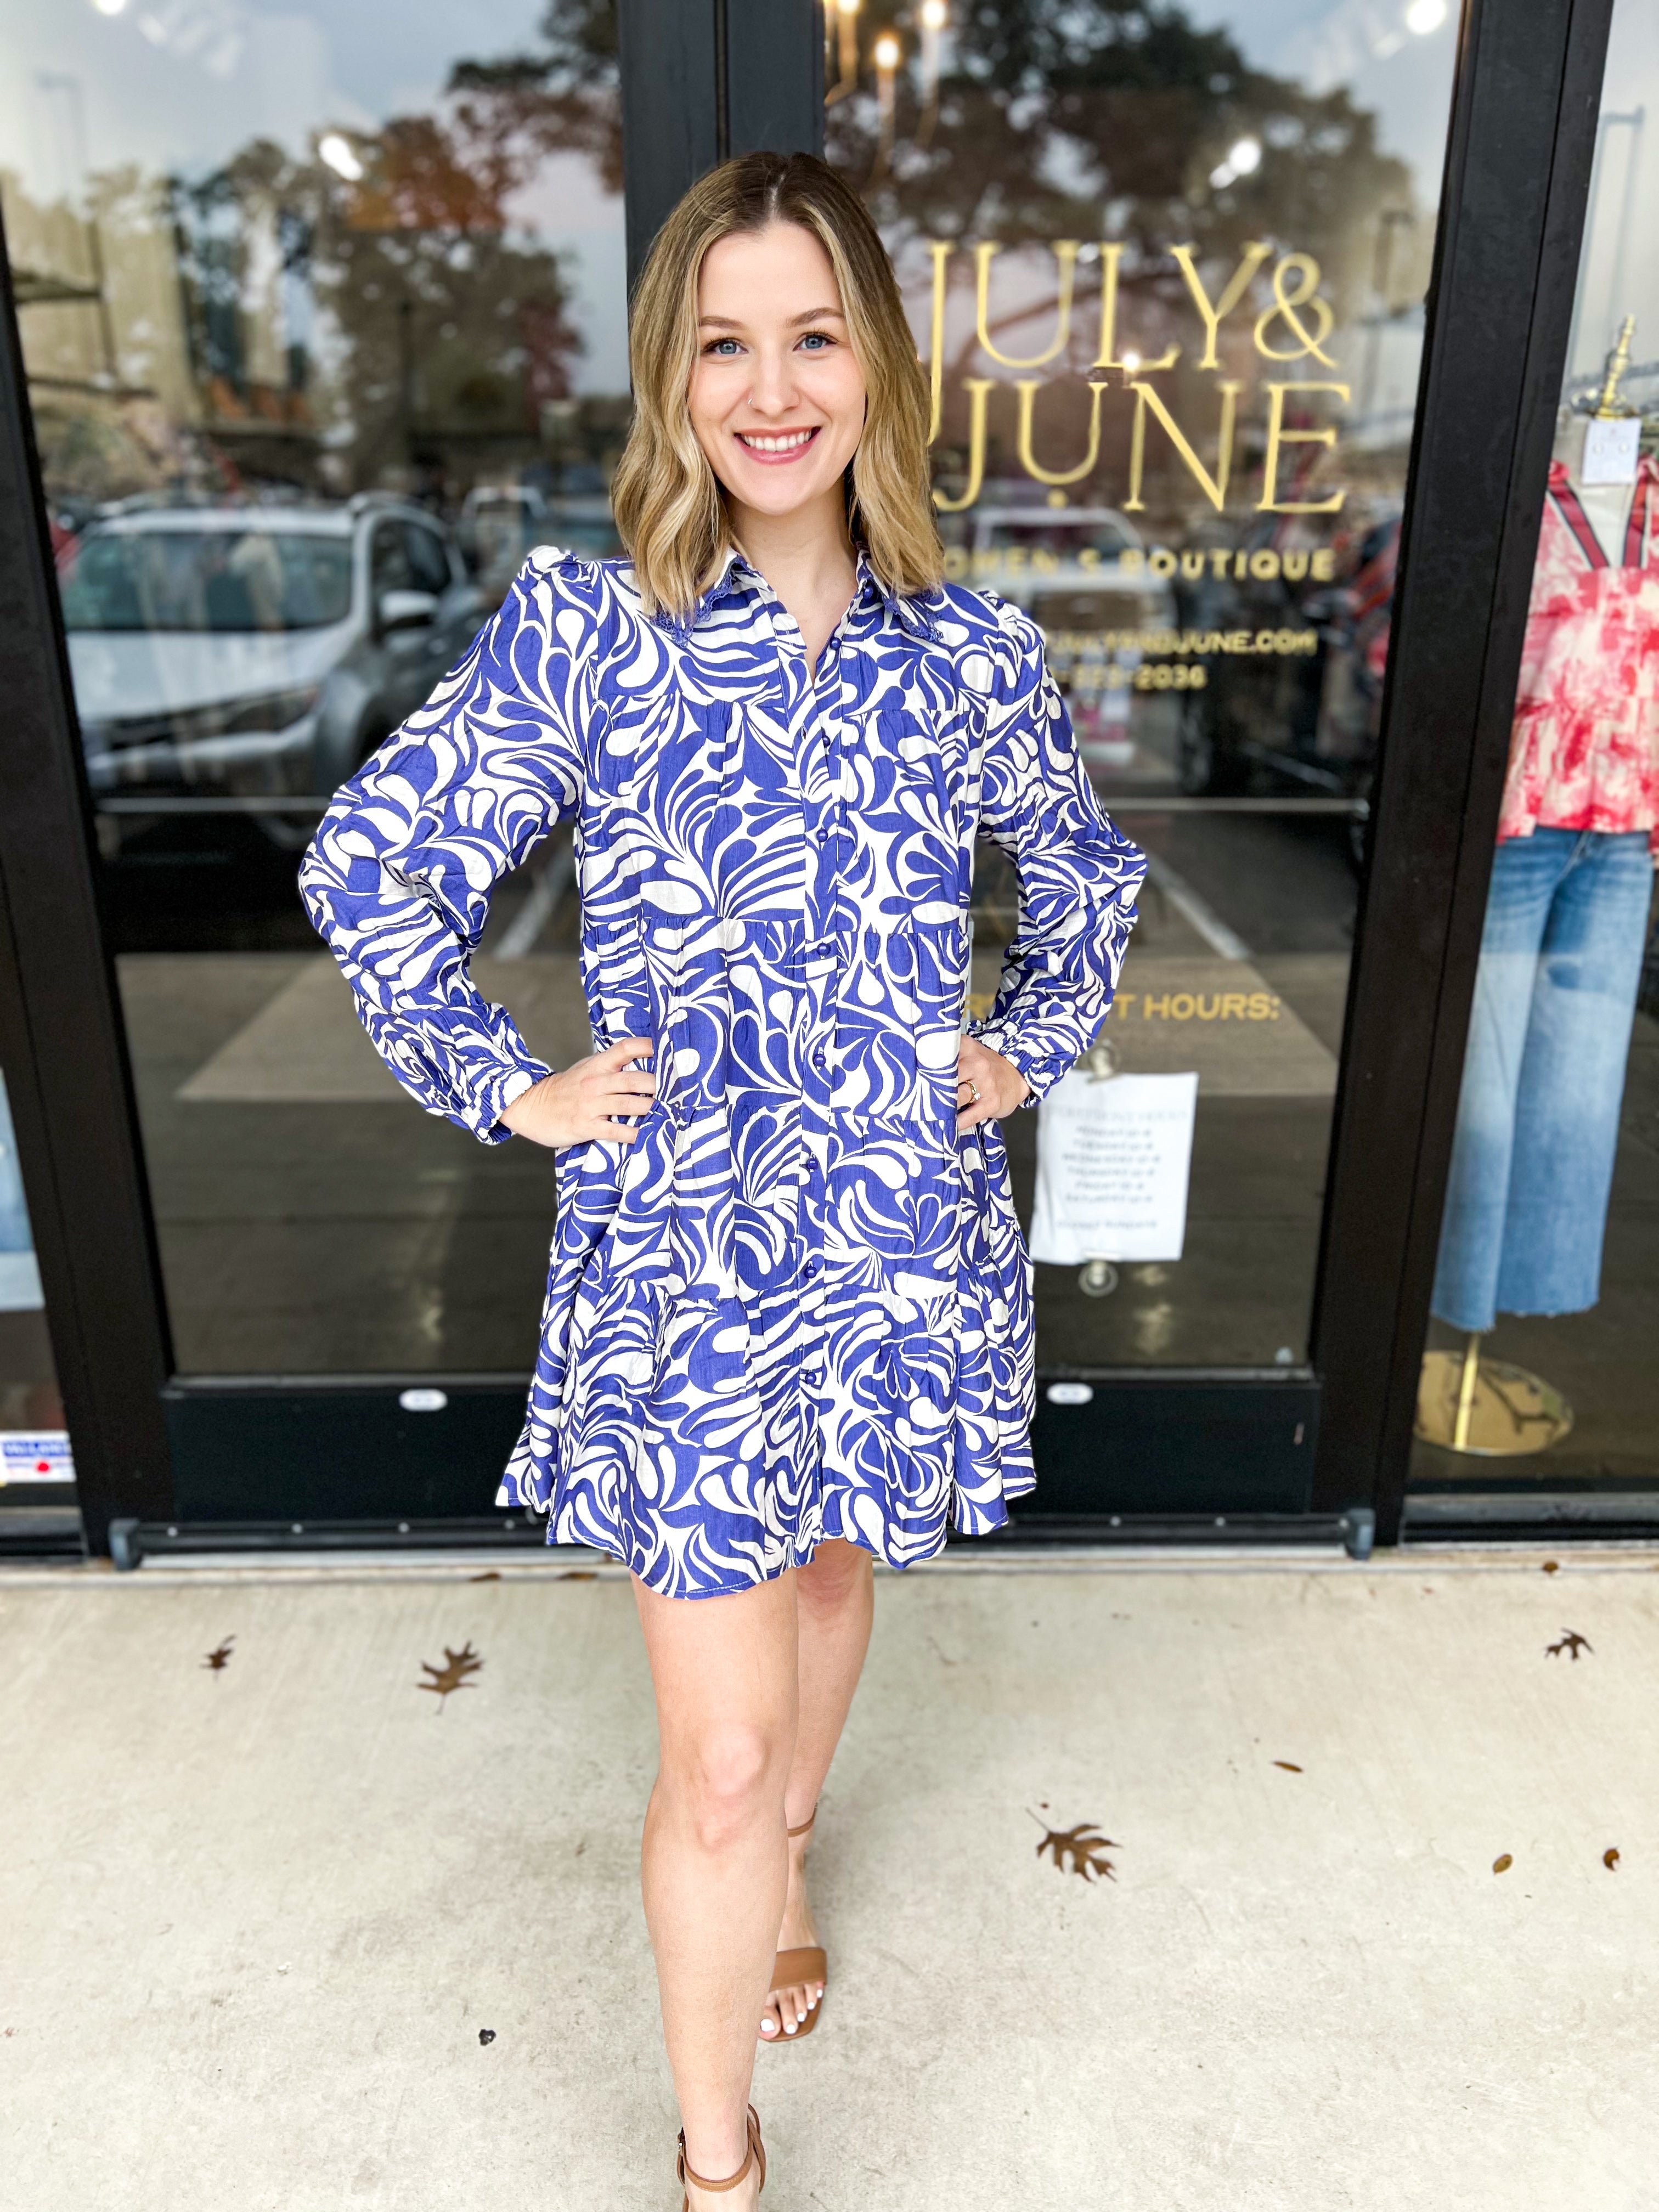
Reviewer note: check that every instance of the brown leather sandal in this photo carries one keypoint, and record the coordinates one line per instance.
(756, 2150)
(790, 1969)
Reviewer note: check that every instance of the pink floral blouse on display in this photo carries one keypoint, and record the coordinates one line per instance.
(1585, 752)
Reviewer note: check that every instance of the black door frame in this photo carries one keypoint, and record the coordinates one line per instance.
(701, 79)
(65, 1048)
(1517, 173)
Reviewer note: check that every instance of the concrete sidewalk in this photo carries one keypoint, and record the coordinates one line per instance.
(260, 1918)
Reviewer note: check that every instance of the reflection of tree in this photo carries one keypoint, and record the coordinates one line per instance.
(451, 331)
(1056, 111)
(320, 329)
(565, 98)
(438, 327)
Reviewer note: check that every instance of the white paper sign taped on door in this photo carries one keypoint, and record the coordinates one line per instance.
(1112, 1161)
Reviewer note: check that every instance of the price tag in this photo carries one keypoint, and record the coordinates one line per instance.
(1611, 450)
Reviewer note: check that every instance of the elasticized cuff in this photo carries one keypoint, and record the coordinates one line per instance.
(1040, 1069)
(496, 1093)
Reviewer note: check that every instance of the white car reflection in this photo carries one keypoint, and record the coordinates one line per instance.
(241, 652)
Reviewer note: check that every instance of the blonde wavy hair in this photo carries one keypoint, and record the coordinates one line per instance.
(669, 505)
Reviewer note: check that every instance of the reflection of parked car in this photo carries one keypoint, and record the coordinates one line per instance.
(244, 651)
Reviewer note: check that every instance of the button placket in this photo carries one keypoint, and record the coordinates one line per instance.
(800, 706)
(815, 704)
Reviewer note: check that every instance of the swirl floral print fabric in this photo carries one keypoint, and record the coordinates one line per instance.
(798, 1305)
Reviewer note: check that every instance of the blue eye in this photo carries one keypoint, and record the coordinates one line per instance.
(720, 346)
(817, 338)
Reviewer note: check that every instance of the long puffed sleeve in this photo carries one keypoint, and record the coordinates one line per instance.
(398, 877)
(1078, 875)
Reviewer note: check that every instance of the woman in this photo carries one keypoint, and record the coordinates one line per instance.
(788, 1322)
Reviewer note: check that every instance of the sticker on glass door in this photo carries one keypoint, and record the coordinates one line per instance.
(42, 1458)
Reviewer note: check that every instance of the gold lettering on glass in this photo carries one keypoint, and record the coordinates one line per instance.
(1286, 309)
(1214, 488)
(1295, 326)
(1111, 257)
(979, 390)
(939, 251)
(1279, 437)
(1028, 389)
(1214, 315)
(1065, 251)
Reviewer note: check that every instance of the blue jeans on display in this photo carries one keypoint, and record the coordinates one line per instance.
(1544, 1076)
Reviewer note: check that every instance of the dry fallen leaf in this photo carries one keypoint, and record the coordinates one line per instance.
(1083, 1845)
(490, 1574)
(1503, 1862)
(577, 1575)
(1610, 1859)
(452, 1676)
(1571, 1643)
(1552, 1566)
(220, 1660)
(1289, 1765)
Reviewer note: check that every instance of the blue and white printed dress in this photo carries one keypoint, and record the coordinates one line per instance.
(798, 1306)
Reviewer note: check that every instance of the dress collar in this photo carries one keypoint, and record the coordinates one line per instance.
(870, 595)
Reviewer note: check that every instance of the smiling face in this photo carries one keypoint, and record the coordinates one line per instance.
(777, 395)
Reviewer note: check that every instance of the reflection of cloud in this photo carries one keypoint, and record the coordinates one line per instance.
(1361, 47)
(206, 32)
(170, 85)
(1335, 51)
(566, 208)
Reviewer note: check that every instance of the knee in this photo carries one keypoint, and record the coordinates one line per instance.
(836, 1577)
(731, 1778)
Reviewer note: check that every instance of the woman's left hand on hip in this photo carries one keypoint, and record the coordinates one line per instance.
(987, 1086)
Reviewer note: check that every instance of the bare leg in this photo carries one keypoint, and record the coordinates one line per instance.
(714, 1865)
(836, 1601)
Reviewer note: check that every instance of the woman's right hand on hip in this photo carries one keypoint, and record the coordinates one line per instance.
(580, 1104)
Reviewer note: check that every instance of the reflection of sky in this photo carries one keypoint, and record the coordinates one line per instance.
(182, 84)
(1403, 79)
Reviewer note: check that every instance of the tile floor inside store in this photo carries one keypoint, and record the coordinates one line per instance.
(293, 1931)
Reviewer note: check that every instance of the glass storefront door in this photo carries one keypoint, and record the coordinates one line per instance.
(1538, 1396)
(323, 312)
(1168, 269)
